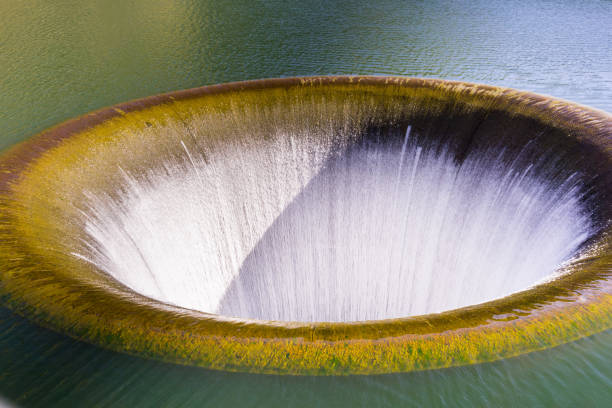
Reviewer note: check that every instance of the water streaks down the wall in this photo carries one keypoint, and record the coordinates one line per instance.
(299, 228)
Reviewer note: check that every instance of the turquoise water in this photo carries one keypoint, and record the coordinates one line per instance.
(63, 58)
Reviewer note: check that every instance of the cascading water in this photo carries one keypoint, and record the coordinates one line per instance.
(284, 208)
(300, 227)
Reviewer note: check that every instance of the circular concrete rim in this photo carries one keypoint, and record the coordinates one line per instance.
(576, 305)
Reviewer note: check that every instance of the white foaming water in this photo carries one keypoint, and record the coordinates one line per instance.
(288, 232)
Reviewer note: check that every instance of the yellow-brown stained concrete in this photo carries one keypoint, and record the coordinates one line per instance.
(41, 178)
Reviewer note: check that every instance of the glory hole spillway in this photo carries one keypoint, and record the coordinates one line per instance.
(333, 225)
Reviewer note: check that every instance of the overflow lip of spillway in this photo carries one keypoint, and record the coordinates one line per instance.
(39, 279)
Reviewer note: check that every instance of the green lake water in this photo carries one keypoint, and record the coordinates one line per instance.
(60, 59)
